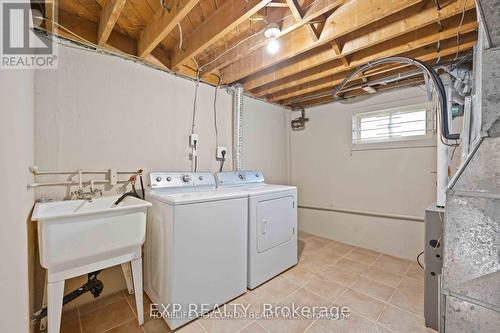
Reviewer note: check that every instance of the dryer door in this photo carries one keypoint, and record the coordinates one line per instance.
(275, 222)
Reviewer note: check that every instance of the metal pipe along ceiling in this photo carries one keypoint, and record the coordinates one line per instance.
(445, 130)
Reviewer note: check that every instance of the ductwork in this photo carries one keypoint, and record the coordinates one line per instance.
(237, 125)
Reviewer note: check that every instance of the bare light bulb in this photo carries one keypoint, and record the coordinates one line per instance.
(273, 46)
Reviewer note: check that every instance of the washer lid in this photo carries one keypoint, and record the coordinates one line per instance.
(192, 197)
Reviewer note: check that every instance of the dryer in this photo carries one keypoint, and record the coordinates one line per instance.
(195, 254)
(272, 223)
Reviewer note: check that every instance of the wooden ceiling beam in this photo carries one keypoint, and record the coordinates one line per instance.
(375, 74)
(162, 24)
(116, 42)
(297, 14)
(359, 92)
(347, 18)
(226, 18)
(108, 18)
(289, 24)
(426, 53)
(427, 16)
(49, 9)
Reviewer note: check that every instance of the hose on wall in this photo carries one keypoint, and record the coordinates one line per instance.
(438, 84)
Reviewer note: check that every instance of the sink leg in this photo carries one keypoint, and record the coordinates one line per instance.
(127, 274)
(55, 293)
(137, 276)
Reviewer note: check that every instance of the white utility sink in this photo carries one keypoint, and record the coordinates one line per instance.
(74, 233)
(77, 237)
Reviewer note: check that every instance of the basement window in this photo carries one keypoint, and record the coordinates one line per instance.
(399, 124)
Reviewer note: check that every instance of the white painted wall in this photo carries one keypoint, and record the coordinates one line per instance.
(16, 155)
(328, 173)
(99, 112)
(265, 140)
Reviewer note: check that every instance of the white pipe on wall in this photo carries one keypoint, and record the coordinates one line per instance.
(237, 125)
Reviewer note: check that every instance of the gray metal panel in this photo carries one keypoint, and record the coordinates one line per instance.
(490, 108)
(482, 174)
(433, 249)
(463, 316)
(490, 13)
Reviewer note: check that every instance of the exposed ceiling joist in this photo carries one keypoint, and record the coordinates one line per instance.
(162, 24)
(349, 17)
(262, 83)
(289, 24)
(230, 15)
(425, 54)
(49, 9)
(308, 83)
(109, 16)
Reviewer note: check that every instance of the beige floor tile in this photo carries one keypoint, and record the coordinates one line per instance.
(354, 324)
(101, 302)
(317, 242)
(305, 298)
(253, 328)
(398, 320)
(70, 322)
(156, 326)
(389, 279)
(276, 289)
(342, 246)
(218, 325)
(280, 325)
(298, 275)
(316, 264)
(329, 255)
(367, 257)
(315, 328)
(103, 319)
(340, 276)
(372, 288)
(380, 329)
(302, 235)
(131, 326)
(362, 304)
(252, 303)
(192, 327)
(305, 248)
(326, 288)
(392, 264)
(410, 296)
(352, 266)
(415, 272)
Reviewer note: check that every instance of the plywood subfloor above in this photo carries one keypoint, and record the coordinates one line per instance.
(320, 41)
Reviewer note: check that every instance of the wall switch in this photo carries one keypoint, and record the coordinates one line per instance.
(193, 140)
(221, 153)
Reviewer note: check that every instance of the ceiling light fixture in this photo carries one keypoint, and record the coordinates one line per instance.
(272, 32)
(273, 46)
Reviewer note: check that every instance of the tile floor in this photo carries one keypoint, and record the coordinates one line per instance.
(384, 293)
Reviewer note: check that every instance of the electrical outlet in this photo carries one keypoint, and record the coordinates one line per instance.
(193, 140)
(221, 153)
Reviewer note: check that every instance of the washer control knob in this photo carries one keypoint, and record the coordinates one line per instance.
(169, 178)
(185, 178)
(200, 177)
(241, 176)
(158, 179)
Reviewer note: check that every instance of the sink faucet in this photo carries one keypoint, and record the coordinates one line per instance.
(90, 195)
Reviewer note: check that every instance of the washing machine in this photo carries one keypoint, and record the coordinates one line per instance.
(272, 223)
(195, 253)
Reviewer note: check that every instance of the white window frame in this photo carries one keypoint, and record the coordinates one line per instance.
(399, 141)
